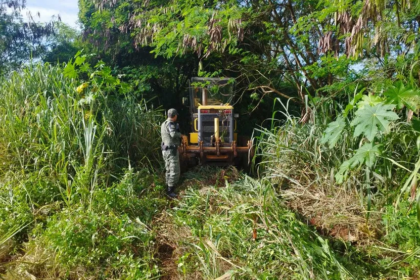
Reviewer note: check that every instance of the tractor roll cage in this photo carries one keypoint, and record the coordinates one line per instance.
(198, 84)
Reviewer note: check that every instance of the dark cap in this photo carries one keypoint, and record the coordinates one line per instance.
(172, 113)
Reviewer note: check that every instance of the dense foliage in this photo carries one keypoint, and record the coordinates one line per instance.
(331, 86)
(69, 146)
(284, 37)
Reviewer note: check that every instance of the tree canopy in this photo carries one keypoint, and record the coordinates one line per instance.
(316, 47)
(20, 40)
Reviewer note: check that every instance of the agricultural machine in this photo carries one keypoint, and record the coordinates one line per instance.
(213, 138)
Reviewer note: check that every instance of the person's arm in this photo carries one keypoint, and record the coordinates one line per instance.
(173, 131)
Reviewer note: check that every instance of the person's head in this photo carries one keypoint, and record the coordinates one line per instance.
(173, 114)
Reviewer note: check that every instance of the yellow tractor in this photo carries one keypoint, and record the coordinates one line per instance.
(213, 138)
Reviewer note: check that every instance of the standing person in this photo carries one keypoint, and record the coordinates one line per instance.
(171, 139)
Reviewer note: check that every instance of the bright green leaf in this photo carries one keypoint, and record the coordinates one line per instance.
(254, 96)
(370, 100)
(410, 38)
(333, 132)
(70, 71)
(85, 67)
(79, 60)
(403, 96)
(366, 154)
(370, 120)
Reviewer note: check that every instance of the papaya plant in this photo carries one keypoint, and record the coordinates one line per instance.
(374, 117)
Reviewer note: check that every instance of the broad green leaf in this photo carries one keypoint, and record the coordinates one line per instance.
(366, 154)
(70, 70)
(85, 67)
(370, 100)
(333, 132)
(403, 96)
(370, 120)
(79, 60)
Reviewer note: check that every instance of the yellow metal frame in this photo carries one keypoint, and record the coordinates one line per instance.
(216, 128)
(216, 107)
(194, 138)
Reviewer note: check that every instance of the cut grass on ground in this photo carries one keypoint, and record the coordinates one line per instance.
(243, 230)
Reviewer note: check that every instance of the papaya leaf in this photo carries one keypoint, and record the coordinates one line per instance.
(333, 132)
(79, 60)
(371, 119)
(366, 154)
(370, 100)
(70, 70)
(403, 96)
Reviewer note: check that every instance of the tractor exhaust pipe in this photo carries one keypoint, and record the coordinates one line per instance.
(204, 97)
(216, 129)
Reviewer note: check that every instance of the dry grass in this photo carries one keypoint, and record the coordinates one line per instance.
(337, 212)
(205, 176)
(36, 263)
(40, 263)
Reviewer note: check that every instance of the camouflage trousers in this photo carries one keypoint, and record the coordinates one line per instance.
(172, 167)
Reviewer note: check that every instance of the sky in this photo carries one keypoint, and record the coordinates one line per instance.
(67, 9)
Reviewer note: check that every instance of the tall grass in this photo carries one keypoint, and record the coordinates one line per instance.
(294, 160)
(44, 119)
(293, 153)
(64, 152)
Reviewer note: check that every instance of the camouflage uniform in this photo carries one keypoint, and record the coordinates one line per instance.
(171, 139)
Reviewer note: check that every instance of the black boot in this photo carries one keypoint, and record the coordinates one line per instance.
(171, 192)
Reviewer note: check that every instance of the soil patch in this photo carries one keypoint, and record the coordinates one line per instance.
(167, 262)
(169, 247)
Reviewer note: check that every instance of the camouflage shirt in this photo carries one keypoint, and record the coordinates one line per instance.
(170, 135)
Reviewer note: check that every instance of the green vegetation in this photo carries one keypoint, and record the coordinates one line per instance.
(330, 90)
(68, 188)
(248, 234)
